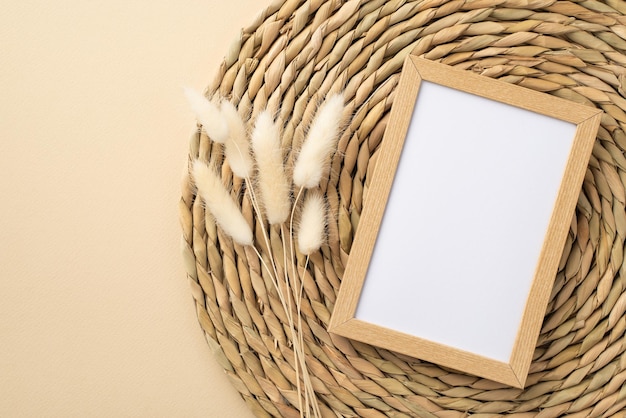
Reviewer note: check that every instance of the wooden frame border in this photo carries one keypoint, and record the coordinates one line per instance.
(343, 321)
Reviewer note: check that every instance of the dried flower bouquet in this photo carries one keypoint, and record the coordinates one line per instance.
(256, 157)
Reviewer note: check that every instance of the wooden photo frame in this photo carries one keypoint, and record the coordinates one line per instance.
(465, 221)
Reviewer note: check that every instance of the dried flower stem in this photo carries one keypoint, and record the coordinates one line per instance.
(310, 238)
(310, 396)
(296, 353)
(308, 382)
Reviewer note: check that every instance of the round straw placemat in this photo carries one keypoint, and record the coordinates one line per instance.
(293, 55)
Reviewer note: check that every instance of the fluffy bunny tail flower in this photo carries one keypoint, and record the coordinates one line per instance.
(312, 224)
(219, 202)
(272, 180)
(319, 143)
(237, 147)
(208, 115)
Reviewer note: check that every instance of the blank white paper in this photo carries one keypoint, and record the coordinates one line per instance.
(466, 219)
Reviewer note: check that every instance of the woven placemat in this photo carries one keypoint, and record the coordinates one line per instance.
(288, 60)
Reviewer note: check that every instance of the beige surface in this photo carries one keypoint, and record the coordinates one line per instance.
(96, 317)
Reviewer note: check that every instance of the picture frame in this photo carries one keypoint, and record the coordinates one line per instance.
(465, 221)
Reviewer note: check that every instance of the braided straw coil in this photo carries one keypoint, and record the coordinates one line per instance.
(288, 60)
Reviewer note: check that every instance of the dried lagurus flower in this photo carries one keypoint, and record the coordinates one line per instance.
(237, 148)
(272, 181)
(319, 143)
(312, 224)
(221, 205)
(208, 115)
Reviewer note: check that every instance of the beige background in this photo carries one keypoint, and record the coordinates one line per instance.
(96, 316)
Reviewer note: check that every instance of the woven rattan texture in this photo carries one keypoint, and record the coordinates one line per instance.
(290, 58)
